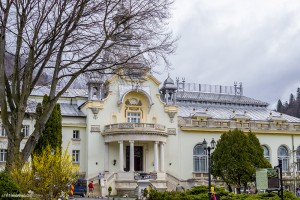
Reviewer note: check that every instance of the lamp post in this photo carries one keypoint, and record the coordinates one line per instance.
(209, 148)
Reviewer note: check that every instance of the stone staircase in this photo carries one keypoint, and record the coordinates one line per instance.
(97, 192)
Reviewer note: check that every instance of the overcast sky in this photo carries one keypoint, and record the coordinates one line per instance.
(256, 42)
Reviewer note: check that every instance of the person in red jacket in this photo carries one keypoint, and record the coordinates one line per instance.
(91, 188)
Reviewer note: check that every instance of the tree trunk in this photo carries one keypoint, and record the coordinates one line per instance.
(229, 188)
(14, 160)
(245, 187)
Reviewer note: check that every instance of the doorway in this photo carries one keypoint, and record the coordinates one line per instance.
(138, 158)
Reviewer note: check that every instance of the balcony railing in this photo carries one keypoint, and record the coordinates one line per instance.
(136, 127)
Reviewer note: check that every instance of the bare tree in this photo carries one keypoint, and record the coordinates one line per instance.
(67, 39)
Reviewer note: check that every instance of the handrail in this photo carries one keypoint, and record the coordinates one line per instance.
(134, 125)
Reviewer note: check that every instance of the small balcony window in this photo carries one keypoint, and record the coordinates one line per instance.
(133, 117)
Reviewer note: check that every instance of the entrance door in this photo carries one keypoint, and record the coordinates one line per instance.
(138, 158)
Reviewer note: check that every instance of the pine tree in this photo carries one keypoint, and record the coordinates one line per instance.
(52, 134)
(279, 106)
(292, 99)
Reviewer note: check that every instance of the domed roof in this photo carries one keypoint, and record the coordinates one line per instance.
(169, 84)
(168, 81)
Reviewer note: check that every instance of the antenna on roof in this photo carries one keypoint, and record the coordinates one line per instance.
(177, 82)
(183, 83)
(235, 88)
(241, 89)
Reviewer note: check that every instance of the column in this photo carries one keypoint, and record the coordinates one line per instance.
(156, 156)
(131, 156)
(162, 156)
(106, 157)
(121, 156)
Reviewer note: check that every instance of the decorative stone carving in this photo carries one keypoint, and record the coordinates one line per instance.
(95, 111)
(95, 129)
(171, 131)
(171, 110)
(171, 115)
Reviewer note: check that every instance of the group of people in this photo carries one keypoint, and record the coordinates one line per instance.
(91, 185)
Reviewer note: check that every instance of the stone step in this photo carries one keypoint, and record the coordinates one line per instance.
(96, 192)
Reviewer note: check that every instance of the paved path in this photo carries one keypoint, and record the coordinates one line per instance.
(89, 198)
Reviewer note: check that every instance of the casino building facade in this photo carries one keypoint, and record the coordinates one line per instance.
(138, 132)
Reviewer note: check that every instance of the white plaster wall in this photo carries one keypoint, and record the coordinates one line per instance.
(95, 142)
(274, 141)
(74, 144)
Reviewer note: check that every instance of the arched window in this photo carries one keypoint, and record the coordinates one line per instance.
(266, 152)
(298, 158)
(200, 159)
(283, 155)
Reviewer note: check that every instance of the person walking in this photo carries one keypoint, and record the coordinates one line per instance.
(91, 189)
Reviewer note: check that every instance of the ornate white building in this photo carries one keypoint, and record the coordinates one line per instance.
(132, 129)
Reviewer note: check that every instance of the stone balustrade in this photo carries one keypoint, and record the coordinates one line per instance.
(245, 125)
(135, 127)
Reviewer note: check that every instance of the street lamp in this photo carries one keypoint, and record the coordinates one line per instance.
(208, 148)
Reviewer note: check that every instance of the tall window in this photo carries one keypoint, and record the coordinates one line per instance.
(266, 152)
(134, 117)
(298, 158)
(200, 159)
(283, 155)
(76, 134)
(3, 132)
(25, 130)
(75, 156)
(3, 155)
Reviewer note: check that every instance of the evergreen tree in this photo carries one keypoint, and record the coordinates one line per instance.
(292, 107)
(279, 106)
(298, 95)
(236, 157)
(52, 134)
(292, 99)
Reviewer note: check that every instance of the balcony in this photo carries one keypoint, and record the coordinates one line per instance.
(136, 128)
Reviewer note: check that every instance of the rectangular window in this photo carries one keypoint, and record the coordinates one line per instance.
(3, 155)
(25, 130)
(3, 132)
(285, 164)
(76, 134)
(200, 164)
(75, 155)
(134, 117)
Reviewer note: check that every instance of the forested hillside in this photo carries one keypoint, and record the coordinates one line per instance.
(292, 107)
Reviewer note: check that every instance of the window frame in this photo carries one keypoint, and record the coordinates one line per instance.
(284, 157)
(76, 156)
(3, 132)
(76, 133)
(200, 159)
(266, 155)
(137, 117)
(25, 130)
(298, 158)
(3, 155)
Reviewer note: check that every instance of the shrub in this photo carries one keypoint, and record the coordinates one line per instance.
(109, 190)
(7, 185)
